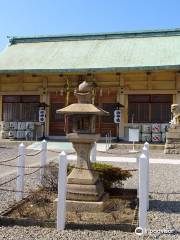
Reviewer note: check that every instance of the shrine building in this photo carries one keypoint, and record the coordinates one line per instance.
(136, 72)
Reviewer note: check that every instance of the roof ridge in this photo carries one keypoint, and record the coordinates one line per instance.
(96, 36)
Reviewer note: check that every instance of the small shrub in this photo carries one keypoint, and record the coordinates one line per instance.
(110, 175)
(50, 179)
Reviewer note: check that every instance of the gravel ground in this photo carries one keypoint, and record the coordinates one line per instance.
(164, 207)
(8, 151)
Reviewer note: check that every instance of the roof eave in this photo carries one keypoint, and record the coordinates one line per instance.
(102, 35)
(92, 70)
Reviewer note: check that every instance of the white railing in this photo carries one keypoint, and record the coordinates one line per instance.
(143, 186)
(21, 167)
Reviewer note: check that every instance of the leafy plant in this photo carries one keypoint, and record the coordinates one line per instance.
(50, 178)
(110, 175)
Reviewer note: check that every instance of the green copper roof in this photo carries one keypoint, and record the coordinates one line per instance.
(123, 51)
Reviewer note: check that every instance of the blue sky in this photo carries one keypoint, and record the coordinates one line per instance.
(39, 17)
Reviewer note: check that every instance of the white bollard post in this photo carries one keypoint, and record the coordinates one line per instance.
(145, 152)
(110, 140)
(93, 153)
(146, 145)
(20, 173)
(137, 164)
(143, 193)
(43, 159)
(106, 143)
(62, 185)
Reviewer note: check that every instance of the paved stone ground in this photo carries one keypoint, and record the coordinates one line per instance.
(125, 153)
(164, 206)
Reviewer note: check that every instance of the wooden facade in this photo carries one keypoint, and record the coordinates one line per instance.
(112, 88)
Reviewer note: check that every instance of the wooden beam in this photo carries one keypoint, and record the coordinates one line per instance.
(109, 84)
(150, 92)
(149, 80)
(19, 93)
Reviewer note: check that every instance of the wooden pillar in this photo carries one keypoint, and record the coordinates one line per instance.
(126, 108)
(149, 80)
(121, 100)
(1, 113)
(47, 113)
(175, 98)
(177, 84)
(121, 125)
(44, 97)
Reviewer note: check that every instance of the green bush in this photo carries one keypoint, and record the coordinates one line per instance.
(110, 175)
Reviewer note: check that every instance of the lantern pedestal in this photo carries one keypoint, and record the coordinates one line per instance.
(83, 183)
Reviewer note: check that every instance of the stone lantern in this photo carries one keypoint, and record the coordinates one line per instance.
(83, 183)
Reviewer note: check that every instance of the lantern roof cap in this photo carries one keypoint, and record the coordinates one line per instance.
(82, 108)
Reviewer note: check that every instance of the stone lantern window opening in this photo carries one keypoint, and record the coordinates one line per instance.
(83, 124)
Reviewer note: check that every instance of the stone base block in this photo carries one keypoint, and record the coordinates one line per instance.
(84, 192)
(88, 206)
(80, 176)
(172, 151)
(172, 145)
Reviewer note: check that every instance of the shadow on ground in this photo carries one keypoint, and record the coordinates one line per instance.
(165, 206)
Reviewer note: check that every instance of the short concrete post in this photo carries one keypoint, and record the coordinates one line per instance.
(43, 159)
(62, 185)
(143, 193)
(93, 153)
(145, 152)
(20, 173)
(137, 163)
(110, 139)
(106, 142)
(146, 145)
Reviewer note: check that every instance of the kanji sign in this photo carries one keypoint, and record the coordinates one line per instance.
(117, 116)
(42, 115)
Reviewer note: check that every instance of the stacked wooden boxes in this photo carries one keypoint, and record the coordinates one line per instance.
(146, 133)
(17, 130)
(154, 132)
